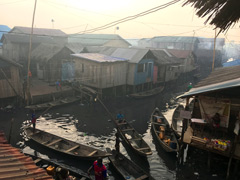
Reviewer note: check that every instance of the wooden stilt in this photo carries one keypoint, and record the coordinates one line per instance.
(231, 155)
(209, 161)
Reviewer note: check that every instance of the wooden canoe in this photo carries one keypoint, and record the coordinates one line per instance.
(166, 137)
(133, 138)
(125, 167)
(44, 163)
(65, 146)
(59, 102)
(148, 93)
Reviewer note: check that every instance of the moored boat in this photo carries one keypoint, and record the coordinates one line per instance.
(166, 137)
(125, 167)
(65, 146)
(59, 102)
(133, 138)
(148, 93)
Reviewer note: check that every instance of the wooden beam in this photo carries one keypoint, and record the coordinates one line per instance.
(71, 149)
(54, 142)
(92, 153)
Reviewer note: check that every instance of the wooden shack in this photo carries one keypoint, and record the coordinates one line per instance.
(52, 62)
(104, 73)
(215, 119)
(10, 82)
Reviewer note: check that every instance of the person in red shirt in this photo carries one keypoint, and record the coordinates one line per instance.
(100, 170)
(34, 119)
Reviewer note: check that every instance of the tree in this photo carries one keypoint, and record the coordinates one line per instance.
(221, 13)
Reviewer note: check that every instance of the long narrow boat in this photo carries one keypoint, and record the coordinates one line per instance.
(133, 138)
(166, 137)
(148, 93)
(125, 167)
(59, 102)
(65, 146)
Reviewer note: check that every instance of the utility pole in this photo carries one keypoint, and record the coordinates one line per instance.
(29, 57)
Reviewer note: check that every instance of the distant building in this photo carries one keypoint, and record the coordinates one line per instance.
(16, 42)
(186, 59)
(3, 30)
(111, 40)
(51, 62)
(166, 66)
(170, 42)
(208, 43)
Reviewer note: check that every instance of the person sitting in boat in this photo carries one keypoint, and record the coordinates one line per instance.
(100, 170)
(120, 116)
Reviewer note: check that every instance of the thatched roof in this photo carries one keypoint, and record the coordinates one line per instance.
(221, 13)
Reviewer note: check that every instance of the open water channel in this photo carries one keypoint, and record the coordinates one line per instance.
(97, 130)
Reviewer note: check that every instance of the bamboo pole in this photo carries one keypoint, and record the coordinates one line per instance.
(29, 56)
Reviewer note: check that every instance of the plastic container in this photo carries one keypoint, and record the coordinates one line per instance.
(50, 170)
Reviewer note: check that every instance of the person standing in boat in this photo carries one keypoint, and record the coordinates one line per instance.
(100, 170)
(120, 116)
(34, 119)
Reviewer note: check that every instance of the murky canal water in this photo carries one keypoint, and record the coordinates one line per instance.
(160, 164)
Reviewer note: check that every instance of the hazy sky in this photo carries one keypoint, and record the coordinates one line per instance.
(74, 16)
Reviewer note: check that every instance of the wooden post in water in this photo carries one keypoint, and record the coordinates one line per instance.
(10, 131)
(232, 151)
(182, 144)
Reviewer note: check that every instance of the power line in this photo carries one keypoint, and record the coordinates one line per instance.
(128, 18)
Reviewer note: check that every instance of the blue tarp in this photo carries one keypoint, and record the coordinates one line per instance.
(3, 30)
(232, 63)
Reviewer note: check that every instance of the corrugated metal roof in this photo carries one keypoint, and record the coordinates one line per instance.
(180, 39)
(134, 55)
(15, 165)
(219, 79)
(98, 57)
(94, 39)
(76, 47)
(23, 38)
(163, 57)
(181, 54)
(46, 51)
(39, 31)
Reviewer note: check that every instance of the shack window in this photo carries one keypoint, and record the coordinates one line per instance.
(6, 71)
(141, 68)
